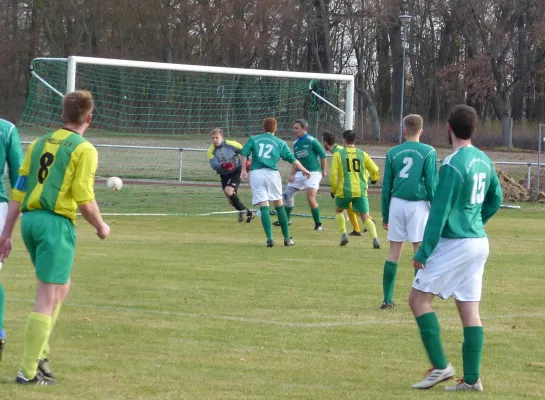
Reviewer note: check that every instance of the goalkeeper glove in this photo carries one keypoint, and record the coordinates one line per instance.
(248, 163)
(332, 195)
(373, 182)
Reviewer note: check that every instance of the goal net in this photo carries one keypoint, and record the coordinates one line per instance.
(152, 121)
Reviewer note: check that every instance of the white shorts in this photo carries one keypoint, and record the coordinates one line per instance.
(3, 215)
(300, 182)
(455, 268)
(266, 185)
(407, 220)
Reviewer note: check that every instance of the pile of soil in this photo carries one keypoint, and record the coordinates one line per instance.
(533, 180)
(513, 191)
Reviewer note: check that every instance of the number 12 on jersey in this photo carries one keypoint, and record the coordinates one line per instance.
(265, 150)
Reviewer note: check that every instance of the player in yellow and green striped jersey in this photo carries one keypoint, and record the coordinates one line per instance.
(57, 176)
(349, 185)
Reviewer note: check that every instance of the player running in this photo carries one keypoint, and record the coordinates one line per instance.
(349, 185)
(56, 176)
(410, 174)
(224, 159)
(454, 251)
(10, 153)
(311, 154)
(265, 180)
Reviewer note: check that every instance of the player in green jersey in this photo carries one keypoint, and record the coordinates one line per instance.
(56, 176)
(309, 151)
(12, 155)
(454, 251)
(349, 185)
(410, 174)
(267, 150)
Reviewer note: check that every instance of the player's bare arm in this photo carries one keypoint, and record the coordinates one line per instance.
(91, 213)
(5, 238)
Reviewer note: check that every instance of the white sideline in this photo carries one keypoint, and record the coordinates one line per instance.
(368, 321)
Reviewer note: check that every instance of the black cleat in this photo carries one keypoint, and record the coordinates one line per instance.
(277, 223)
(318, 227)
(354, 233)
(388, 306)
(2, 346)
(39, 379)
(270, 243)
(45, 369)
(289, 242)
(241, 216)
(249, 216)
(344, 239)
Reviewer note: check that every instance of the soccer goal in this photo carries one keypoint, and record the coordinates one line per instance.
(151, 120)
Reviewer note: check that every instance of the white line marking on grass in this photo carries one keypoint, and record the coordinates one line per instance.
(367, 321)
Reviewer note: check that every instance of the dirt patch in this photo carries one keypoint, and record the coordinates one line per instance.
(513, 191)
(533, 180)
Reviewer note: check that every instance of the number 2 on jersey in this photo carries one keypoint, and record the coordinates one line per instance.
(45, 162)
(404, 173)
(265, 150)
(477, 195)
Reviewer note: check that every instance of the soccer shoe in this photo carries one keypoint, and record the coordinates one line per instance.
(465, 387)
(435, 376)
(376, 243)
(277, 223)
(270, 243)
(388, 306)
(249, 217)
(45, 369)
(21, 379)
(354, 233)
(289, 242)
(241, 215)
(344, 239)
(318, 227)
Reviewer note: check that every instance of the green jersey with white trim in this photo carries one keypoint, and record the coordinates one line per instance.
(10, 153)
(410, 173)
(267, 150)
(307, 150)
(467, 196)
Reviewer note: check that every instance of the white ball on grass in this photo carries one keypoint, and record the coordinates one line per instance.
(114, 183)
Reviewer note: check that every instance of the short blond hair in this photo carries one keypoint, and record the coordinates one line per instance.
(76, 106)
(413, 124)
(216, 131)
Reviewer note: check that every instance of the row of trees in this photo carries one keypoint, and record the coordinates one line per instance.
(487, 53)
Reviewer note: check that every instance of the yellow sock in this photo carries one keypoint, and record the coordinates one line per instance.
(341, 224)
(353, 220)
(370, 226)
(45, 353)
(36, 334)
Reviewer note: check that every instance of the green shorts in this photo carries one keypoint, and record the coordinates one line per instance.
(360, 205)
(51, 241)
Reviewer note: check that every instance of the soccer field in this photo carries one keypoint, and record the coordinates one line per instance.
(199, 308)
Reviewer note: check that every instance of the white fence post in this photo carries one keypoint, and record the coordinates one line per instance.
(180, 160)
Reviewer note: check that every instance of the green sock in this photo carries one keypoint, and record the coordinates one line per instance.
(36, 334)
(283, 219)
(288, 212)
(316, 215)
(2, 306)
(45, 353)
(472, 351)
(431, 337)
(389, 281)
(266, 221)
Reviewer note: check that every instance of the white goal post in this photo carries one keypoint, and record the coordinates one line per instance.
(349, 79)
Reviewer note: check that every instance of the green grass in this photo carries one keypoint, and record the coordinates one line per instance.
(198, 308)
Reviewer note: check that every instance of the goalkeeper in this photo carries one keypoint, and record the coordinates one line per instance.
(224, 159)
